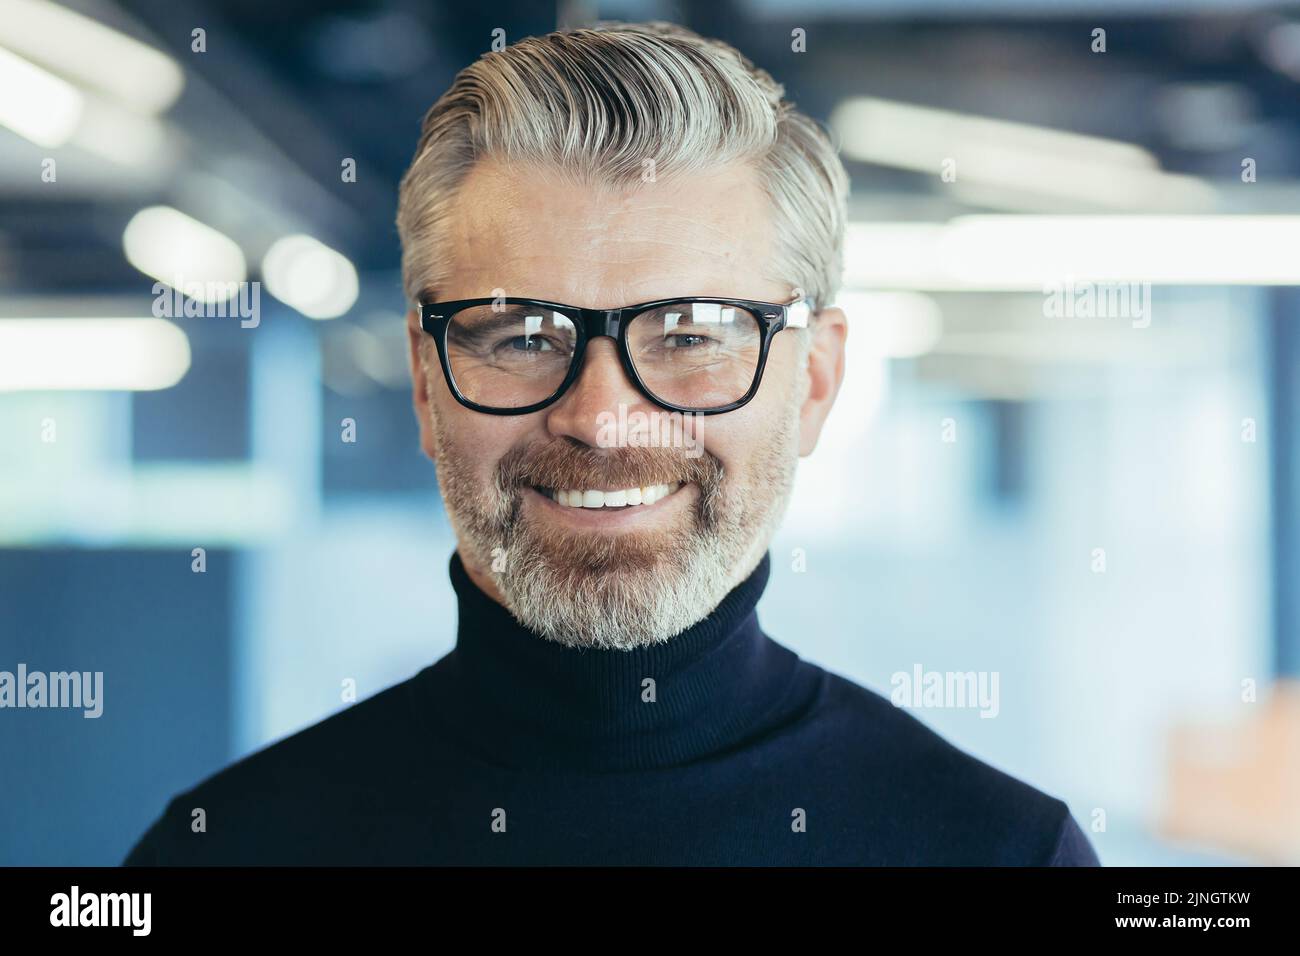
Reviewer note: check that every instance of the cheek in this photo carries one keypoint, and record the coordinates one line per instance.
(475, 441)
(736, 437)
(744, 440)
(782, 365)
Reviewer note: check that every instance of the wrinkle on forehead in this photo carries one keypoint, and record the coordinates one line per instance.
(532, 232)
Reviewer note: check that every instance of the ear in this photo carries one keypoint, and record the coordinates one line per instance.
(420, 386)
(825, 374)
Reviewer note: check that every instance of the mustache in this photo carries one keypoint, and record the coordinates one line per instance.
(570, 464)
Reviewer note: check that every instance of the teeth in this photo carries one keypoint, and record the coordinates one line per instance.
(588, 498)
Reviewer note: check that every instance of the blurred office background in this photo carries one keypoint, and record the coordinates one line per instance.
(1103, 509)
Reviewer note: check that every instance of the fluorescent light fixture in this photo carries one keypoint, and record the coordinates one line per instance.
(138, 143)
(35, 104)
(152, 504)
(1021, 253)
(895, 255)
(184, 253)
(91, 54)
(310, 276)
(1017, 157)
(119, 354)
(892, 324)
(1281, 48)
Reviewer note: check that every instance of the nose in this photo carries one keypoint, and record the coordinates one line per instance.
(600, 388)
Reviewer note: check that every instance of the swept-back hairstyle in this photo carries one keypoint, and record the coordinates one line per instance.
(598, 104)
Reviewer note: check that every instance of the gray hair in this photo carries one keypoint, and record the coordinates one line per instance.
(597, 104)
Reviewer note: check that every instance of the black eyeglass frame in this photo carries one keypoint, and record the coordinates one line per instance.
(772, 317)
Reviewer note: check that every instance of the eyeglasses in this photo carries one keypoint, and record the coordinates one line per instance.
(512, 356)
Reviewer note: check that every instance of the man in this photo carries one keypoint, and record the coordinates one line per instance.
(601, 227)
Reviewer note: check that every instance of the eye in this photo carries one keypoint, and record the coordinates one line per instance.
(685, 340)
(531, 343)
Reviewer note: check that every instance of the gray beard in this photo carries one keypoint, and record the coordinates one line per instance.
(622, 591)
(613, 608)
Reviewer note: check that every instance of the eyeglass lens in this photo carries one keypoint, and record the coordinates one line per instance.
(695, 355)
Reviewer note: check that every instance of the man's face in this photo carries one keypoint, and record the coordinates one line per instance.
(638, 574)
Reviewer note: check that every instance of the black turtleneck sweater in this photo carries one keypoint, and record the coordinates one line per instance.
(516, 750)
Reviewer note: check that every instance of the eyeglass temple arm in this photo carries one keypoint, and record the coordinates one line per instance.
(799, 312)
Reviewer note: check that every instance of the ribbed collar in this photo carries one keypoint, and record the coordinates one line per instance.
(518, 700)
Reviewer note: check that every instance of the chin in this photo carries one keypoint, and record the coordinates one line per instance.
(611, 596)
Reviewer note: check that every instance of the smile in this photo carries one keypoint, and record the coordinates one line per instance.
(619, 498)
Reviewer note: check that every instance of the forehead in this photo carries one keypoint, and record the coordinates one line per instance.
(532, 232)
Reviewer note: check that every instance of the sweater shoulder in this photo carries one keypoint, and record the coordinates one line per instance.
(947, 805)
(336, 763)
